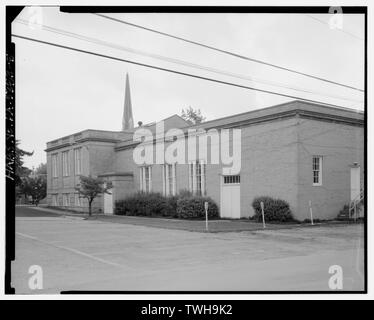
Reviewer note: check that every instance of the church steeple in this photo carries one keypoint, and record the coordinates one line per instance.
(127, 119)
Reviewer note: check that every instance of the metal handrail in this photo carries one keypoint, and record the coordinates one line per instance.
(354, 204)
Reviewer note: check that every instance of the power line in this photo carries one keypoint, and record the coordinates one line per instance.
(174, 71)
(341, 30)
(178, 61)
(228, 52)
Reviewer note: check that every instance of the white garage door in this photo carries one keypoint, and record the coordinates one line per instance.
(230, 197)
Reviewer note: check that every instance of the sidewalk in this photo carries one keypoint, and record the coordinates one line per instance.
(62, 213)
(194, 225)
(187, 225)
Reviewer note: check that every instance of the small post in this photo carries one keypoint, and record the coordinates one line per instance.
(311, 212)
(206, 205)
(263, 214)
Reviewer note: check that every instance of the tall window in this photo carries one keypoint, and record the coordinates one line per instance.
(317, 170)
(65, 163)
(146, 179)
(169, 179)
(197, 177)
(54, 166)
(190, 177)
(78, 161)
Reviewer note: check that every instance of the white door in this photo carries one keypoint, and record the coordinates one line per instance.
(355, 182)
(108, 202)
(230, 197)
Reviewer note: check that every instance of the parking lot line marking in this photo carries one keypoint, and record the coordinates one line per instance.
(90, 256)
(26, 236)
(87, 255)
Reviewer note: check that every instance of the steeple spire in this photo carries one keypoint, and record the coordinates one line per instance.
(127, 119)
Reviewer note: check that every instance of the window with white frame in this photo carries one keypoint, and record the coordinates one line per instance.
(65, 163)
(197, 177)
(317, 170)
(146, 179)
(78, 161)
(232, 179)
(169, 179)
(54, 165)
(65, 199)
(190, 177)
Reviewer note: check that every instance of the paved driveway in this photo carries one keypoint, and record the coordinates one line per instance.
(98, 255)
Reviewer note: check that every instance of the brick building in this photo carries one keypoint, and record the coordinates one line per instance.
(300, 152)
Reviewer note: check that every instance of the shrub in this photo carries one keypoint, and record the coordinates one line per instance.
(193, 207)
(154, 204)
(274, 209)
(344, 211)
(184, 193)
(171, 206)
(141, 204)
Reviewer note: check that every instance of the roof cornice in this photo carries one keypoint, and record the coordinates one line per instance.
(117, 174)
(307, 114)
(78, 142)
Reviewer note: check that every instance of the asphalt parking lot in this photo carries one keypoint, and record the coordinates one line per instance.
(76, 254)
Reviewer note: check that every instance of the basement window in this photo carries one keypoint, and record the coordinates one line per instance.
(77, 200)
(54, 200)
(65, 199)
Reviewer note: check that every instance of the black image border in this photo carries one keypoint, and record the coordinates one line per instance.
(11, 14)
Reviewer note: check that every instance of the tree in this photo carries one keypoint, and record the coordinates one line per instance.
(90, 187)
(41, 169)
(34, 186)
(20, 170)
(193, 116)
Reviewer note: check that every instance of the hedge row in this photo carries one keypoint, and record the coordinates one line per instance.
(184, 205)
(188, 206)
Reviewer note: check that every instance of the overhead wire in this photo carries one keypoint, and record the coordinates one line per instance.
(175, 71)
(180, 62)
(237, 55)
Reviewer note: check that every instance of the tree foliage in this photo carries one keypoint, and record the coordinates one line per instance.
(41, 169)
(20, 170)
(193, 116)
(34, 186)
(90, 187)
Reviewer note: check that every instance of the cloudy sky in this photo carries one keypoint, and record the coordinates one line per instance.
(60, 92)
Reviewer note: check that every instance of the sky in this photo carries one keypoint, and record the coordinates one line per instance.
(60, 92)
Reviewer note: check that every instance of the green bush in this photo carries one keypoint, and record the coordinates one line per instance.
(154, 204)
(142, 204)
(193, 207)
(274, 209)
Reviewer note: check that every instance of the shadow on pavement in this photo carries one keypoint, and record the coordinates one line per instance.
(29, 211)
